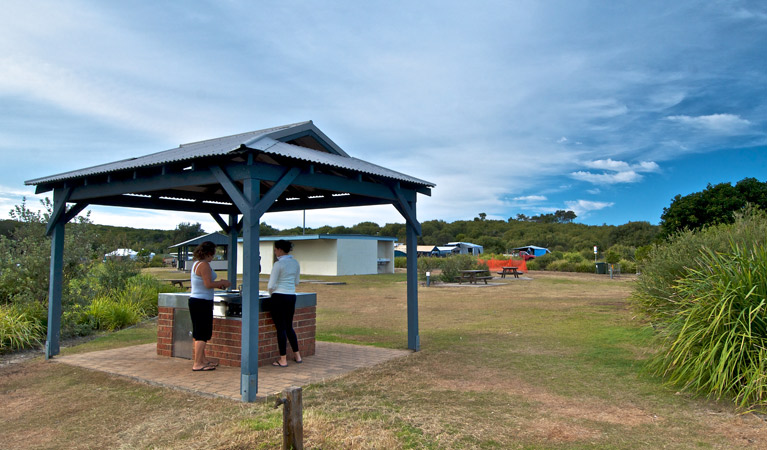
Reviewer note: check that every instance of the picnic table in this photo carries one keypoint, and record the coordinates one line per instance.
(179, 283)
(472, 276)
(509, 270)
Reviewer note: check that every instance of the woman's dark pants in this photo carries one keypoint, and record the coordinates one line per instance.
(282, 307)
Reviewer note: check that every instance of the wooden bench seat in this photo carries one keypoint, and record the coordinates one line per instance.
(484, 278)
(179, 283)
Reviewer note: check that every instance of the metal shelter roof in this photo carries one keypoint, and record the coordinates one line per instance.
(286, 168)
(216, 238)
(181, 178)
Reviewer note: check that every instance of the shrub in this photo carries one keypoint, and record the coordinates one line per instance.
(400, 262)
(667, 263)
(623, 251)
(627, 266)
(717, 342)
(427, 264)
(561, 265)
(452, 266)
(574, 257)
(18, 330)
(612, 257)
(541, 262)
(142, 290)
(105, 313)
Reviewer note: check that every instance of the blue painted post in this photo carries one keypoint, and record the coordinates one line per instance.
(232, 264)
(54, 291)
(250, 301)
(413, 338)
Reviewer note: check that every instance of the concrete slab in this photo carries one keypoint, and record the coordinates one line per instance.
(141, 363)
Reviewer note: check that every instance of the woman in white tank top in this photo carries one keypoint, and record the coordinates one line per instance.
(201, 303)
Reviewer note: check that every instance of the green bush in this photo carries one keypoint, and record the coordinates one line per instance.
(452, 266)
(716, 343)
(105, 313)
(541, 262)
(76, 321)
(561, 265)
(623, 251)
(400, 262)
(628, 266)
(427, 264)
(574, 257)
(612, 257)
(666, 263)
(18, 330)
(585, 267)
(142, 290)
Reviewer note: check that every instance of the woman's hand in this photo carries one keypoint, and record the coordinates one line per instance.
(223, 284)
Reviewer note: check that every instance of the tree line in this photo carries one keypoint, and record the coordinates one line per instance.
(556, 231)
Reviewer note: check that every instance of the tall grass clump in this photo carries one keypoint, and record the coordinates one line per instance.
(18, 330)
(716, 343)
(666, 263)
(142, 290)
(105, 313)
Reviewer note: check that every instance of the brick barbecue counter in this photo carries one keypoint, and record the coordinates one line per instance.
(174, 329)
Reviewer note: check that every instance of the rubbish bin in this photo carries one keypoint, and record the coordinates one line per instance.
(601, 268)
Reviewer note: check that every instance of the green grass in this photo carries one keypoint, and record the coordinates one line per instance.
(533, 364)
(142, 333)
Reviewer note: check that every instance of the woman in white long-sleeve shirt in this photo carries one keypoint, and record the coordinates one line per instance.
(282, 288)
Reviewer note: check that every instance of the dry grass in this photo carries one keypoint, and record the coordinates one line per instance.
(551, 362)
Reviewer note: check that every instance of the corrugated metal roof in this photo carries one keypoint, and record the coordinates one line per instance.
(216, 238)
(259, 140)
(314, 237)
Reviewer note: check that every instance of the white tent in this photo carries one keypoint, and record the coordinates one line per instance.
(121, 253)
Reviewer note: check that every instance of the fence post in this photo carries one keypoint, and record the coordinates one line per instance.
(292, 418)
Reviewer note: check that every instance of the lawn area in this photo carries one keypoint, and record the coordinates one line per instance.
(555, 361)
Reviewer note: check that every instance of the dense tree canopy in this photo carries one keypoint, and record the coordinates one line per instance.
(554, 231)
(714, 205)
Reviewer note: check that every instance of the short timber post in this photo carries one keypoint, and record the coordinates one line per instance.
(292, 418)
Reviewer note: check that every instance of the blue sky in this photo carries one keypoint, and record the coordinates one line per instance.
(609, 109)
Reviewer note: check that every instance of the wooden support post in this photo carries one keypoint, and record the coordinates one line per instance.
(251, 306)
(292, 418)
(231, 271)
(55, 289)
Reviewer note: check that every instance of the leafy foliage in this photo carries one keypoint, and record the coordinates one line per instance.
(665, 264)
(716, 343)
(715, 205)
(18, 329)
(704, 293)
(25, 255)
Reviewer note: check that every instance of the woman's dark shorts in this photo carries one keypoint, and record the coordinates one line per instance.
(201, 311)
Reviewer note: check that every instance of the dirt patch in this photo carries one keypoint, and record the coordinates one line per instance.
(550, 404)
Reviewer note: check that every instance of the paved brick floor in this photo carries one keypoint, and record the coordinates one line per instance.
(142, 363)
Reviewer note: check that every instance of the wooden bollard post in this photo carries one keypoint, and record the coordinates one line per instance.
(292, 418)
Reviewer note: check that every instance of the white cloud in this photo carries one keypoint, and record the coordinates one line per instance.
(607, 164)
(582, 207)
(614, 171)
(628, 176)
(531, 198)
(717, 123)
(561, 140)
(11, 197)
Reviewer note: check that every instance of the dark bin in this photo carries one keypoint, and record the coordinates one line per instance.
(601, 268)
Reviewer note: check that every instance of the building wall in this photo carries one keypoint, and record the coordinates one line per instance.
(357, 257)
(317, 257)
(385, 256)
(331, 257)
